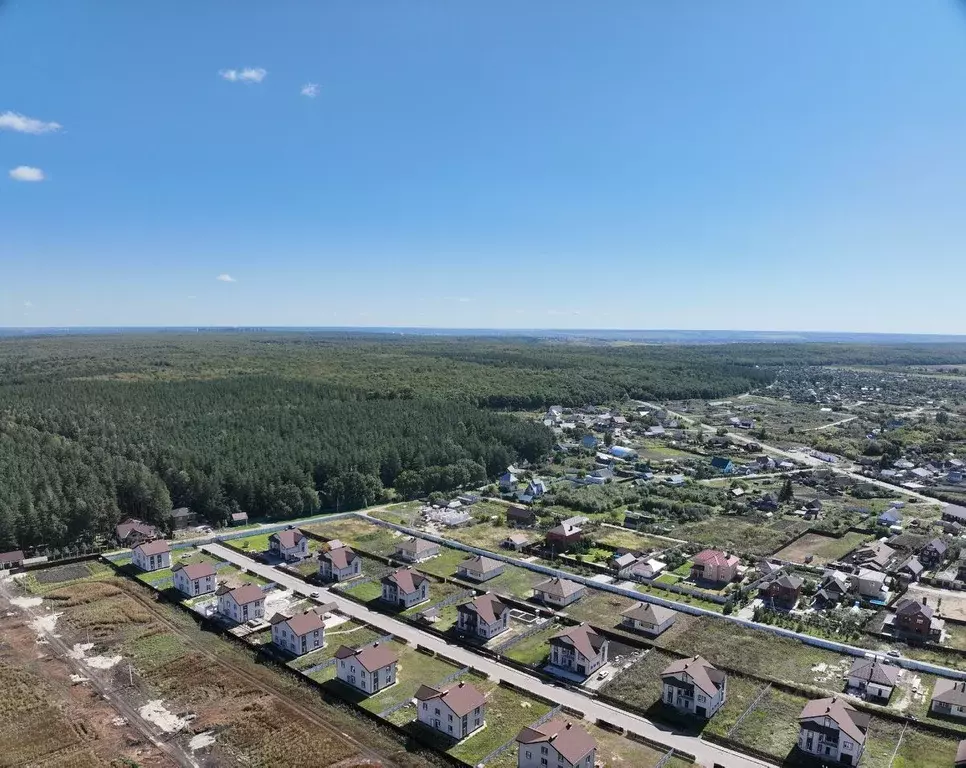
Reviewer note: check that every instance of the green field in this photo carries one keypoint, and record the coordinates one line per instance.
(639, 542)
(640, 685)
(921, 749)
(741, 692)
(444, 564)
(414, 669)
(534, 649)
(744, 535)
(772, 726)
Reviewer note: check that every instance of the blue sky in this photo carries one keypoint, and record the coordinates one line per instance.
(630, 164)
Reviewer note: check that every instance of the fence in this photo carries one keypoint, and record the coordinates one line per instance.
(504, 747)
(448, 601)
(403, 704)
(535, 629)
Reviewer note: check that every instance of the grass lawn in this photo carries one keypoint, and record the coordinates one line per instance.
(352, 634)
(772, 726)
(656, 590)
(880, 743)
(824, 549)
(920, 749)
(357, 532)
(668, 578)
(641, 542)
(741, 692)
(514, 581)
(370, 590)
(437, 593)
(600, 608)
(414, 669)
(486, 535)
(640, 685)
(257, 542)
(741, 534)
(444, 564)
(534, 649)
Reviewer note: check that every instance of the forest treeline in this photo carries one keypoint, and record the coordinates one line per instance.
(97, 428)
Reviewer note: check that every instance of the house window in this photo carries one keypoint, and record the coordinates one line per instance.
(425, 706)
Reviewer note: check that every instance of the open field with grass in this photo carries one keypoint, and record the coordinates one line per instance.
(514, 581)
(746, 535)
(640, 685)
(438, 592)
(880, 743)
(357, 532)
(534, 649)
(922, 749)
(486, 535)
(823, 548)
(444, 564)
(350, 633)
(741, 692)
(414, 669)
(622, 537)
(772, 726)
(601, 609)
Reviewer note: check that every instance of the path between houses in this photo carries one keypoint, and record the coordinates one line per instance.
(706, 753)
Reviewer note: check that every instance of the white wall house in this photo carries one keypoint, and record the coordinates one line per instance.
(339, 564)
(405, 588)
(299, 634)
(558, 592)
(834, 730)
(479, 568)
(455, 710)
(648, 618)
(556, 743)
(694, 686)
(873, 679)
(949, 698)
(578, 649)
(414, 550)
(483, 617)
(195, 579)
(369, 669)
(242, 603)
(290, 545)
(152, 555)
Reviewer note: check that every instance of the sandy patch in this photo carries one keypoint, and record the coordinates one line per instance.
(827, 673)
(77, 679)
(45, 625)
(79, 652)
(155, 712)
(334, 620)
(26, 602)
(277, 601)
(201, 741)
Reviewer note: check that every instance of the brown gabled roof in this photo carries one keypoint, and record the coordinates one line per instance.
(287, 538)
(303, 623)
(950, 691)
(158, 547)
(874, 671)
(249, 593)
(581, 637)
(462, 698)
(340, 557)
(564, 531)
(479, 564)
(570, 740)
(124, 528)
(371, 658)
(558, 587)
(652, 614)
(700, 670)
(406, 579)
(414, 545)
(850, 721)
(11, 557)
(909, 607)
(196, 570)
(487, 607)
(961, 754)
(714, 557)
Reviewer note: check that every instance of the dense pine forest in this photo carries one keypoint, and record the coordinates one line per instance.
(97, 428)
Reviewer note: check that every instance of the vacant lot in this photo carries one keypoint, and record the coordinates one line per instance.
(534, 649)
(486, 536)
(640, 685)
(742, 691)
(921, 749)
(444, 564)
(824, 549)
(881, 743)
(639, 542)
(356, 532)
(772, 726)
(602, 609)
(953, 602)
(750, 536)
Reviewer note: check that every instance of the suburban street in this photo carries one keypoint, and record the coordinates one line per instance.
(706, 753)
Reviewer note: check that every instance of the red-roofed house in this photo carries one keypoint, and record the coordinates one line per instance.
(195, 579)
(455, 710)
(715, 566)
(290, 545)
(11, 559)
(339, 564)
(369, 669)
(242, 603)
(302, 633)
(152, 555)
(694, 686)
(556, 743)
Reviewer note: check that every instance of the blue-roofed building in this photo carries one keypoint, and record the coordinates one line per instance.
(621, 452)
(589, 442)
(723, 464)
(890, 517)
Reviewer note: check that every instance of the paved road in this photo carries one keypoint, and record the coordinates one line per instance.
(706, 753)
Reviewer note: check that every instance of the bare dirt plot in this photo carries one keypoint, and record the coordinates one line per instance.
(953, 605)
(823, 549)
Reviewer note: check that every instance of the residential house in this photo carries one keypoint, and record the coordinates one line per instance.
(370, 669)
(714, 566)
(579, 650)
(914, 618)
(599, 476)
(767, 503)
(723, 464)
(767, 567)
(889, 518)
(556, 743)
(290, 545)
(834, 730)
(745, 424)
(130, 532)
(954, 513)
(656, 431)
(484, 617)
(479, 568)
(933, 553)
(455, 710)
(414, 550)
(781, 591)
(949, 698)
(152, 555)
(195, 579)
(563, 536)
(694, 686)
(911, 570)
(405, 587)
(298, 634)
(558, 592)
(644, 568)
(648, 618)
(620, 561)
(239, 518)
(182, 518)
(872, 679)
(869, 584)
(737, 492)
(813, 509)
(674, 481)
(9, 560)
(961, 755)
(764, 463)
(508, 481)
(536, 488)
(833, 590)
(339, 564)
(875, 554)
(520, 517)
(242, 603)
(515, 541)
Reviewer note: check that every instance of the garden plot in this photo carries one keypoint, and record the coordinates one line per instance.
(772, 726)
(357, 532)
(922, 749)
(823, 548)
(749, 536)
(880, 743)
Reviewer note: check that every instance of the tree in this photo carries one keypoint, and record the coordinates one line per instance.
(787, 492)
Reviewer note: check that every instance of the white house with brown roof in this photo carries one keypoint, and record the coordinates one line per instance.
(132, 531)
(484, 617)
(579, 649)
(648, 618)
(414, 550)
(558, 592)
(152, 555)
(302, 633)
(242, 603)
(479, 568)
(369, 669)
(558, 742)
(872, 679)
(949, 698)
(715, 566)
(405, 587)
(515, 541)
(195, 579)
(290, 545)
(455, 710)
(832, 729)
(339, 564)
(694, 686)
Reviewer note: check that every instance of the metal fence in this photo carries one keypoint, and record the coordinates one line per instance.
(504, 747)
(537, 627)
(402, 704)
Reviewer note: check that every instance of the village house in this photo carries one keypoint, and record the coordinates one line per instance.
(507, 481)
(933, 553)
(620, 561)
(723, 465)
(414, 550)
(767, 503)
(911, 570)
(813, 509)
(833, 729)
(767, 567)
(483, 617)
(872, 679)
(915, 619)
(455, 711)
(589, 442)
(195, 579)
(714, 566)
(405, 587)
(875, 554)
(289, 545)
(520, 517)
(535, 488)
(644, 568)
(694, 686)
(554, 744)
(182, 518)
(833, 589)
(152, 555)
(648, 618)
(515, 541)
(479, 568)
(242, 603)
(558, 592)
(131, 531)
(578, 649)
(949, 698)
(869, 584)
(953, 513)
(9, 560)
(370, 669)
(781, 591)
(563, 536)
(889, 518)
(339, 564)
(298, 634)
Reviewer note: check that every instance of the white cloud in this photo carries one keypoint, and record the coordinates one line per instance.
(13, 121)
(310, 89)
(246, 75)
(225, 278)
(28, 304)
(26, 173)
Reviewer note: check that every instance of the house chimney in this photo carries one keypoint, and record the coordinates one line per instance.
(923, 599)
